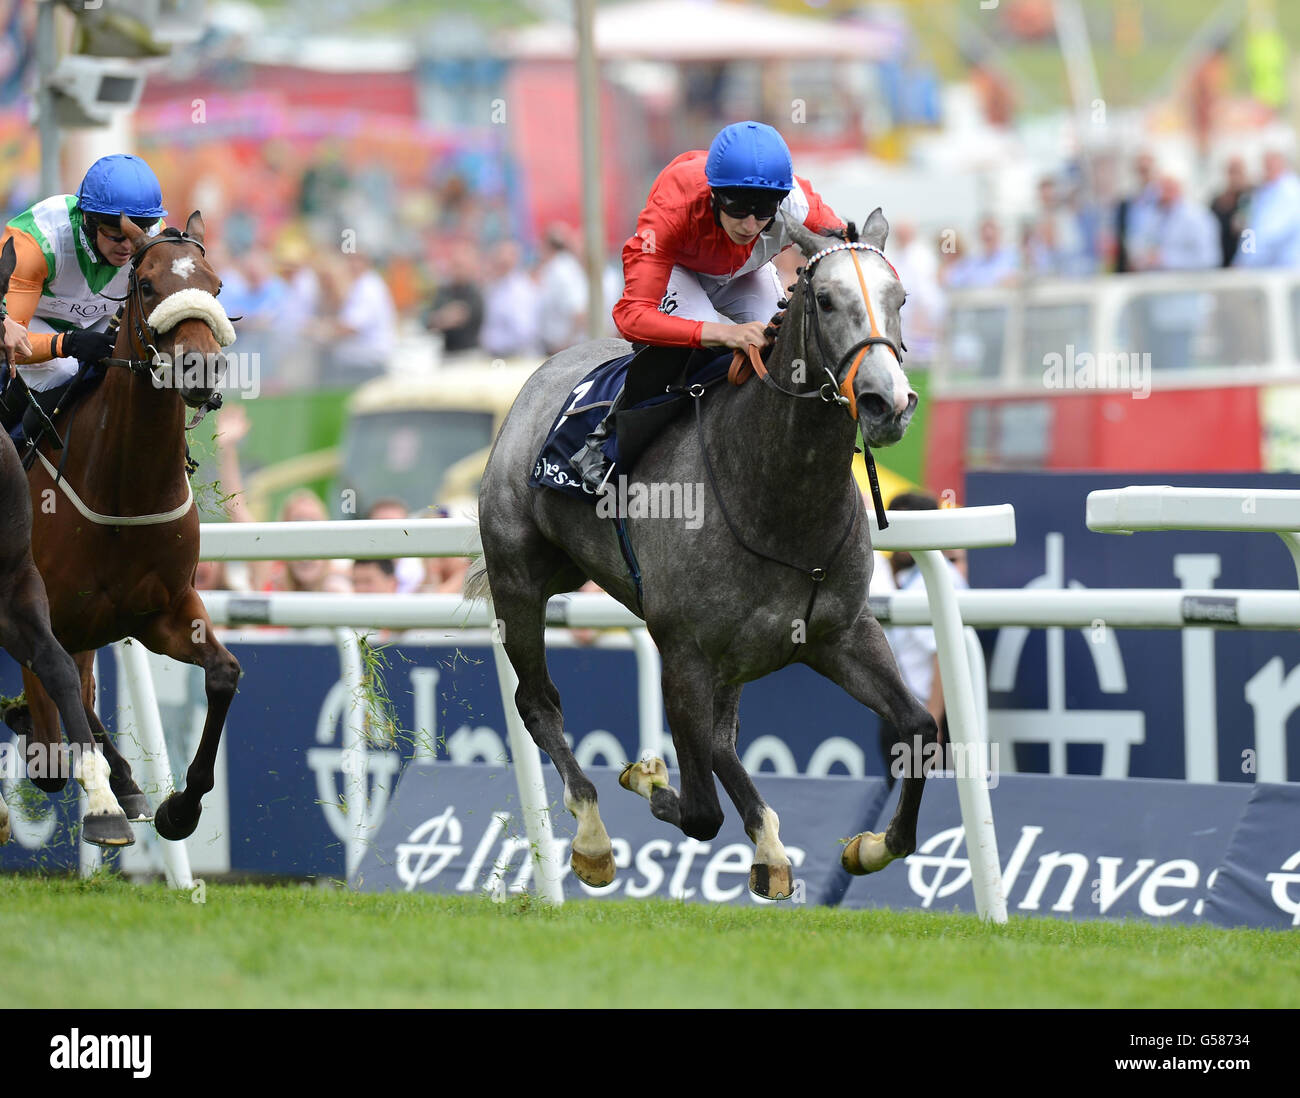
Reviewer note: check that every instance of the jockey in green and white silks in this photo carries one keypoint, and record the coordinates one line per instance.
(72, 260)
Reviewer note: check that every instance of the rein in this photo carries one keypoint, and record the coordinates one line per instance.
(831, 392)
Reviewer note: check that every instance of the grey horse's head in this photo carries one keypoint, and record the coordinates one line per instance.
(885, 401)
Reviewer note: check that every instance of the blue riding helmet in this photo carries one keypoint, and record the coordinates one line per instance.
(750, 155)
(121, 184)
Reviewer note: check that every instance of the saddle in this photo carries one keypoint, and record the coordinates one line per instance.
(634, 397)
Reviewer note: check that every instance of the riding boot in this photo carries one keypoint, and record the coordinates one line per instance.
(593, 467)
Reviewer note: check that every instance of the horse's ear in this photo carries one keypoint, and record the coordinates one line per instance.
(809, 242)
(132, 231)
(8, 260)
(876, 231)
(194, 226)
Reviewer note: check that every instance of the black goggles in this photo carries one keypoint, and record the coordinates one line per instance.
(763, 206)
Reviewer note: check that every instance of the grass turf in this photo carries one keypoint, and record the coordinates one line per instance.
(108, 943)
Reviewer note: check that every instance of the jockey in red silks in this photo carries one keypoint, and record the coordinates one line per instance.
(698, 272)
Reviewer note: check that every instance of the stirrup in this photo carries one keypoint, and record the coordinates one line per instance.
(592, 466)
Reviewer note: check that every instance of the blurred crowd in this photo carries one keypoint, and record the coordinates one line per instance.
(1251, 220)
(325, 317)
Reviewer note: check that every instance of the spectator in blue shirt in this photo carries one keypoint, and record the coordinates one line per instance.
(1184, 236)
(996, 265)
(1273, 237)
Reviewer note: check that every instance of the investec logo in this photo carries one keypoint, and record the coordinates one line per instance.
(500, 863)
(1087, 885)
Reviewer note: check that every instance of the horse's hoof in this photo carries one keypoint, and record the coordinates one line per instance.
(107, 829)
(643, 777)
(48, 785)
(17, 716)
(173, 822)
(772, 882)
(136, 807)
(866, 853)
(597, 872)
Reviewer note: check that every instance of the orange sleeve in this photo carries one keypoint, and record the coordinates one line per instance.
(25, 285)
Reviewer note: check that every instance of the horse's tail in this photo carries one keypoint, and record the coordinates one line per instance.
(476, 581)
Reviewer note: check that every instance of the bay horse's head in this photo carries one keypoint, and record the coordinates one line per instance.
(849, 312)
(172, 321)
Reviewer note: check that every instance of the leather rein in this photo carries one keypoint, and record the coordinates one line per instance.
(832, 392)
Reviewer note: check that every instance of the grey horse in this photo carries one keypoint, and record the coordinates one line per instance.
(778, 474)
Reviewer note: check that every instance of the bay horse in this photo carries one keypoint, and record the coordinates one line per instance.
(26, 635)
(119, 543)
(775, 569)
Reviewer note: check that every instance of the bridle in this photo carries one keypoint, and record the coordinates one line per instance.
(833, 391)
(845, 396)
(144, 336)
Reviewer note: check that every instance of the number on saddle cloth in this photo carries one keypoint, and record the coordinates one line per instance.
(644, 412)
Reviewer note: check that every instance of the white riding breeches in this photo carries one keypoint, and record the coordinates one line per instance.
(752, 296)
(49, 375)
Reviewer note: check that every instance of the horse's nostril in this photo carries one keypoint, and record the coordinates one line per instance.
(873, 406)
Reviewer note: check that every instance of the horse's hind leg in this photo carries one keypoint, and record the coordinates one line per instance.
(859, 659)
(520, 606)
(122, 782)
(771, 875)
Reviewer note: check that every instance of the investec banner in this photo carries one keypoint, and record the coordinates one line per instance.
(458, 829)
(278, 805)
(1069, 847)
(1191, 703)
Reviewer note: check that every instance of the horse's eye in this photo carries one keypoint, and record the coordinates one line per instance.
(824, 301)
(146, 287)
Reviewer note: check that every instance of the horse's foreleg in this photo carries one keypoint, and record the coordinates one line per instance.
(187, 635)
(38, 724)
(860, 660)
(120, 779)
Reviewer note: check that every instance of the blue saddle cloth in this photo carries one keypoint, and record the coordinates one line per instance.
(589, 403)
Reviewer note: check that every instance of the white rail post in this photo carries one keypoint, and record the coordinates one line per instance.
(91, 857)
(650, 698)
(963, 723)
(353, 742)
(532, 789)
(142, 705)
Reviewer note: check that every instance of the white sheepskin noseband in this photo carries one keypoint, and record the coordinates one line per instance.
(195, 303)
